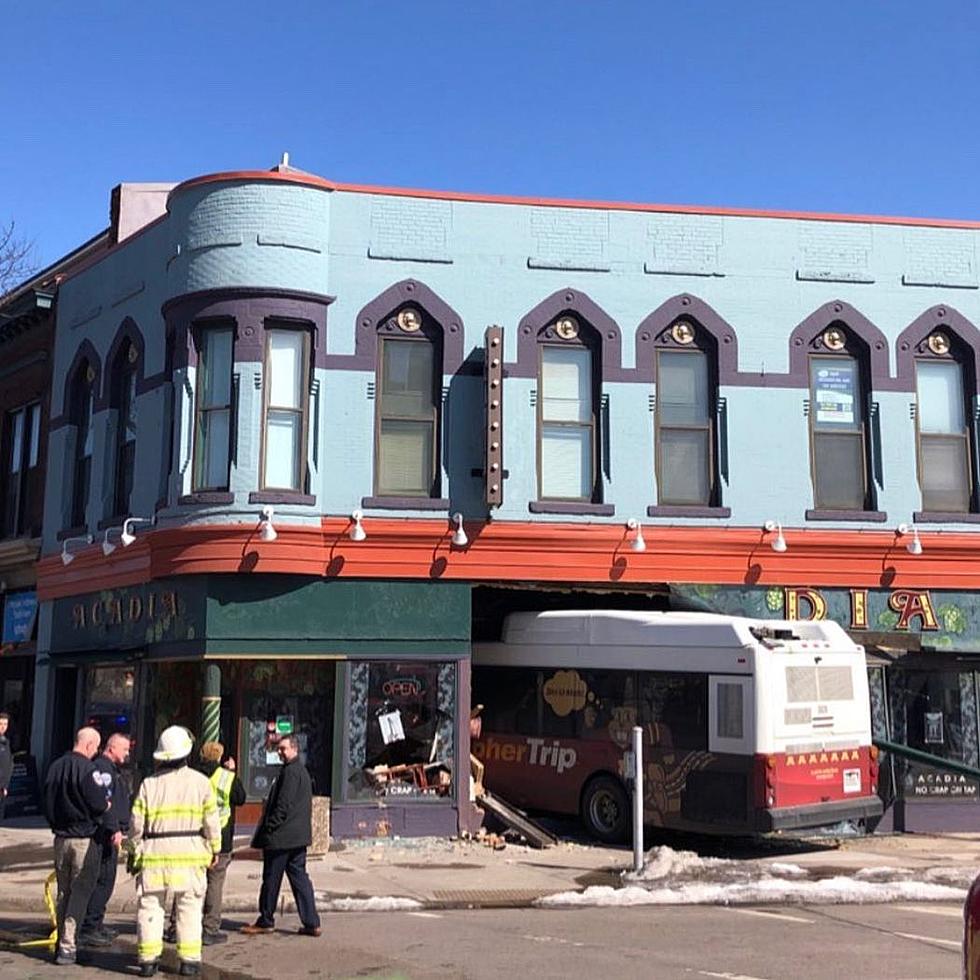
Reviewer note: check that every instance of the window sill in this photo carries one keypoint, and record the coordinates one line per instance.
(108, 522)
(944, 517)
(405, 503)
(281, 497)
(570, 507)
(207, 497)
(73, 532)
(873, 516)
(683, 510)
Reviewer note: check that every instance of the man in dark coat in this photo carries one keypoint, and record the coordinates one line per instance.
(284, 834)
(6, 761)
(113, 827)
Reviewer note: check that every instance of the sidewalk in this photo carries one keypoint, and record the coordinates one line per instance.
(438, 873)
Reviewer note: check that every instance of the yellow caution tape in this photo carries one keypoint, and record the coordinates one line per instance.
(49, 902)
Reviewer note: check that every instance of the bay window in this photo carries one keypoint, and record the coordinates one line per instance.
(286, 409)
(22, 436)
(213, 409)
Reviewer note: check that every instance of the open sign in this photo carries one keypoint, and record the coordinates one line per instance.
(403, 687)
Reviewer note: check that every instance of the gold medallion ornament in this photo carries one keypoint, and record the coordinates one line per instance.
(567, 328)
(90, 374)
(410, 320)
(834, 338)
(132, 355)
(939, 343)
(682, 332)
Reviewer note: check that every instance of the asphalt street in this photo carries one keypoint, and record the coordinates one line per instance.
(872, 942)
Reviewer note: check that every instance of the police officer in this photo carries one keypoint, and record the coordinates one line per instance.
(113, 827)
(175, 835)
(73, 802)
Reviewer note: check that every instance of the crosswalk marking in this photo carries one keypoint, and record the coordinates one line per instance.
(782, 916)
(930, 939)
(932, 910)
(426, 915)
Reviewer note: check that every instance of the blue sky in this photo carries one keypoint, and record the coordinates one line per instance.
(858, 106)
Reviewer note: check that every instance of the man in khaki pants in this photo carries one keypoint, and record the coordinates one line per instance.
(175, 836)
(73, 802)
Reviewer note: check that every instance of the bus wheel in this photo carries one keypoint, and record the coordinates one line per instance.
(605, 809)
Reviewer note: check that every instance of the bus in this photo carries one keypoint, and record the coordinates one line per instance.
(749, 726)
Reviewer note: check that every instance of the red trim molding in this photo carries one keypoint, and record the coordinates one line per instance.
(587, 554)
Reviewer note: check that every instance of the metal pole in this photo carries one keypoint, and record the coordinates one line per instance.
(637, 798)
(211, 704)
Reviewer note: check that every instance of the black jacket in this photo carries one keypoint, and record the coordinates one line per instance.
(6, 762)
(288, 812)
(116, 788)
(73, 797)
(236, 798)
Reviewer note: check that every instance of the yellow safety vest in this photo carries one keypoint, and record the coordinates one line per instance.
(221, 780)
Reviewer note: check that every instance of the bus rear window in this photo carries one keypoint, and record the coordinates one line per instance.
(808, 684)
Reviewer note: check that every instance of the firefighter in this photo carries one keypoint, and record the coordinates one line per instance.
(175, 836)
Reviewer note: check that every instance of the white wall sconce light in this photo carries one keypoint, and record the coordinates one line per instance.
(67, 557)
(638, 543)
(460, 540)
(107, 546)
(778, 543)
(127, 537)
(914, 547)
(267, 530)
(357, 532)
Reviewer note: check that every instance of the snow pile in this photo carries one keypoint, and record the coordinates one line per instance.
(684, 878)
(376, 903)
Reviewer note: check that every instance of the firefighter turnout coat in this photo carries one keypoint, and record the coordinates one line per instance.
(175, 830)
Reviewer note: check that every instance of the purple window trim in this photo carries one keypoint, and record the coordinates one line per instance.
(405, 503)
(682, 510)
(212, 497)
(282, 497)
(650, 338)
(373, 316)
(592, 315)
(801, 345)
(250, 308)
(950, 321)
(944, 517)
(72, 532)
(571, 507)
(86, 354)
(823, 514)
(128, 331)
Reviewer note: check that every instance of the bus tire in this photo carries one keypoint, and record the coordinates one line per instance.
(605, 809)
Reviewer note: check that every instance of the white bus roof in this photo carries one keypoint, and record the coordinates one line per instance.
(618, 627)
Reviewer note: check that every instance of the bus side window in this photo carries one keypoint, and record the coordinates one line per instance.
(675, 707)
(611, 701)
(509, 696)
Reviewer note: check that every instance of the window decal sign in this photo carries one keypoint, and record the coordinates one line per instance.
(835, 396)
(19, 612)
(565, 691)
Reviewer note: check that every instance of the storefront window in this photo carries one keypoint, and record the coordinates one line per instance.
(110, 696)
(402, 730)
(284, 697)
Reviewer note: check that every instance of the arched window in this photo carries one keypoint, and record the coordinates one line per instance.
(80, 415)
(944, 450)
(684, 437)
(122, 399)
(569, 392)
(407, 418)
(839, 379)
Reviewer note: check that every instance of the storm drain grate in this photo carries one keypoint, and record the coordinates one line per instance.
(489, 897)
